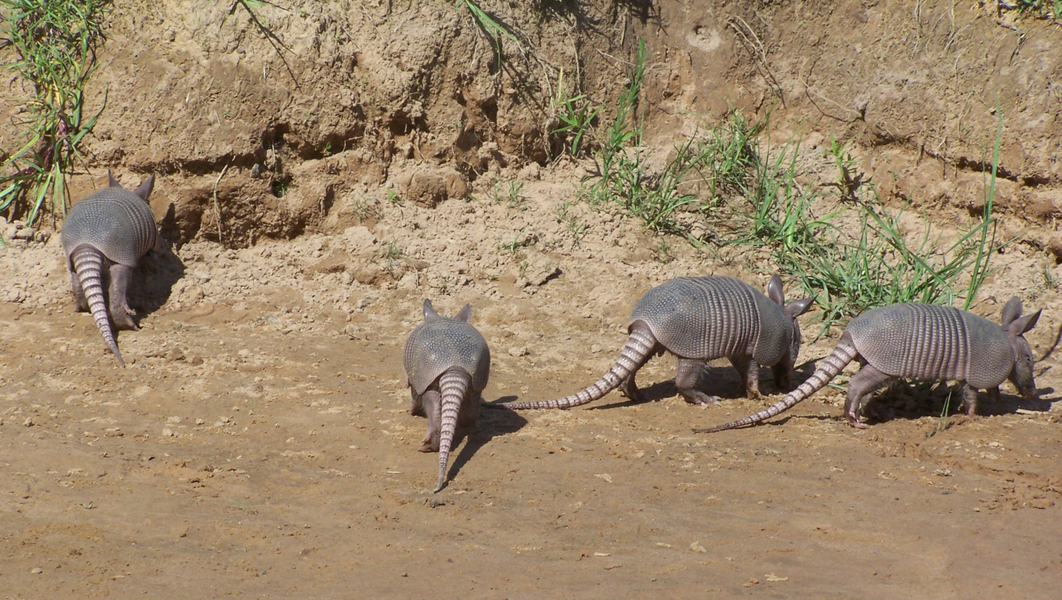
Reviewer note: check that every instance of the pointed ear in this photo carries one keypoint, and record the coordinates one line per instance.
(465, 314)
(1011, 311)
(145, 188)
(1022, 324)
(799, 307)
(429, 312)
(111, 181)
(774, 290)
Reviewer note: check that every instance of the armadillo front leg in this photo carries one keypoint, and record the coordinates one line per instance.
(750, 375)
(862, 385)
(689, 371)
(121, 314)
(969, 398)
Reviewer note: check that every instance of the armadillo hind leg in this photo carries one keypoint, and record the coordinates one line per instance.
(80, 303)
(431, 403)
(969, 398)
(750, 375)
(689, 371)
(121, 314)
(630, 389)
(469, 414)
(861, 386)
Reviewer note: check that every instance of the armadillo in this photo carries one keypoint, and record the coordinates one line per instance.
(921, 341)
(700, 319)
(447, 365)
(108, 232)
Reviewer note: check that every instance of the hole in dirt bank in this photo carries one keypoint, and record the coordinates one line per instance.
(984, 167)
(489, 106)
(403, 124)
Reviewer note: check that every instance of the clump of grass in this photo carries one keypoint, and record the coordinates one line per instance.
(55, 42)
(574, 115)
(489, 25)
(510, 193)
(1044, 9)
(700, 171)
(622, 177)
(879, 264)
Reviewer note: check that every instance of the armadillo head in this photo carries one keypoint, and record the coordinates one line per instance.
(1015, 325)
(792, 311)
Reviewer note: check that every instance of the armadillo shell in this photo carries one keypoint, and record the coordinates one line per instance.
(701, 317)
(115, 221)
(925, 341)
(435, 346)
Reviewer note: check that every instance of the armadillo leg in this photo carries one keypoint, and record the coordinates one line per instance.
(750, 375)
(783, 373)
(416, 404)
(80, 303)
(689, 371)
(431, 404)
(969, 398)
(862, 385)
(469, 413)
(630, 389)
(121, 314)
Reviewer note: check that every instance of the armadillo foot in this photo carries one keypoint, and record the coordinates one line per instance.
(123, 318)
(698, 397)
(426, 445)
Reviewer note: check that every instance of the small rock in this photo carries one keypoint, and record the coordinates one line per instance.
(167, 432)
(518, 351)
(37, 571)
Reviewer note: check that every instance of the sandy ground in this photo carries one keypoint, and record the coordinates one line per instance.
(259, 443)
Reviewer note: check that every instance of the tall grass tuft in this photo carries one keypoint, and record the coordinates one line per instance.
(55, 42)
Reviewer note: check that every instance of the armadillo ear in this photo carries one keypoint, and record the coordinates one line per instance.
(145, 188)
(1011, 311)
(429, 311)
(111, 181)
(465, 314)
(774, 290)
(1023, 324)
(799, 307)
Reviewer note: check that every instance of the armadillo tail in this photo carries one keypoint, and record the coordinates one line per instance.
(635, 353)
(454, 387)
(828, 369)
(88, 264)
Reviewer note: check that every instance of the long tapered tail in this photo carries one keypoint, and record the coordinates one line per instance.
(88, 264)
(453, 384)
(635, 353)
(830, 367)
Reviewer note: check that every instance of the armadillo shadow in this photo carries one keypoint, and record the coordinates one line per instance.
(721, 380)
(159, 270)
(494, 422)
(913, 400)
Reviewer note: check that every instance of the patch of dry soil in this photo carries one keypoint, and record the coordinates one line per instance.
(259, 443)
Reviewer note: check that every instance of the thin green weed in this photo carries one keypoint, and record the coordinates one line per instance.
(576, 116)
(55, 42)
